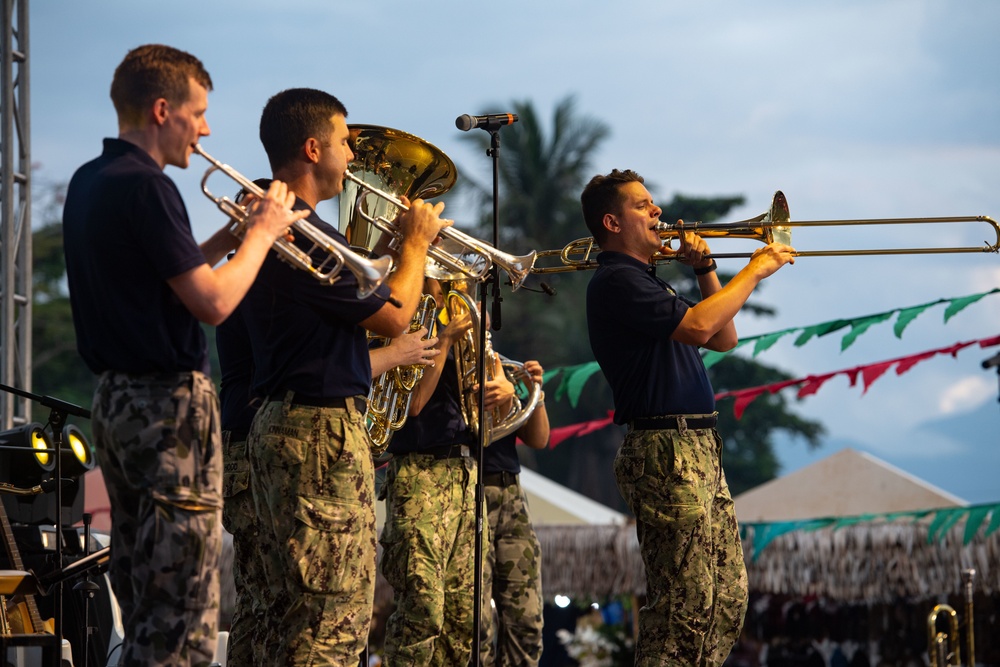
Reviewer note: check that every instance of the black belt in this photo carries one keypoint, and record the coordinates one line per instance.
(360, 403)
(236, 435)
(672, 422)
(446, 451)
(502, 478)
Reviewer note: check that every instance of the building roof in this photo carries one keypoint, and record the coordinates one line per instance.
(847, 483)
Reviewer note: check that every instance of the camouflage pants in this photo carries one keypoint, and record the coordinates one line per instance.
(512, 577)
(312, 478)
(696, 592)
(158, 443)
(428, 542)
(240, 519)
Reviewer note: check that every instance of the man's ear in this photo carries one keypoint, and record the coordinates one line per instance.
(311, 150)
(611, 223)
(160, 110)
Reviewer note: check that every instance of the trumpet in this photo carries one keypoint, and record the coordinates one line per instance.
(370, 273)
(943, 648)
(411, 166)
(773, 225)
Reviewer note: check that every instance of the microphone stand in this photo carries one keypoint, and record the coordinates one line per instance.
(58, 410)
(494, 281)
(993, 362)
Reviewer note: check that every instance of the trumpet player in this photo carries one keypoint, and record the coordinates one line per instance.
(429, 534)
(669, 470)
(311, 471)
(139, 287)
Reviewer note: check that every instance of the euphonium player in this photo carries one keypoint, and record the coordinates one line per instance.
(512, 558)
(139, 284)
(428, 538)
(669, 469)
(311, 470)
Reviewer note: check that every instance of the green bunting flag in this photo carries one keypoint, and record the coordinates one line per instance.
(941, 521)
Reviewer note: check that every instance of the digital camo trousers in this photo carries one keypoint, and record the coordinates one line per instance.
(158, 443)
(512, 562)
(313, 482)
(240, 519)
(696, 592)
(428, 546)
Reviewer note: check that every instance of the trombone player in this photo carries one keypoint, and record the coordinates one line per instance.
(669, 469)
(311, 469)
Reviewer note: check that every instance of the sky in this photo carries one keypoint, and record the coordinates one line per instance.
(854, 109)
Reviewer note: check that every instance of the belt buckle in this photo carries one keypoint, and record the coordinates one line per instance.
(465, 451)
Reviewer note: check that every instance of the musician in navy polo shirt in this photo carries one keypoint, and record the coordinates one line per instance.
(669, 468)
(139, 287)
(311, 469)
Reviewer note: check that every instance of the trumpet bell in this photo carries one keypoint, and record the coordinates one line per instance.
(391, 161)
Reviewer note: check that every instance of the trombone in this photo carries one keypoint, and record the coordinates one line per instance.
(775, 224)
(370, 273)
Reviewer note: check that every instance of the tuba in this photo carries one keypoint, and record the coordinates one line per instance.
(389, 164)
(499, 424)
(392, 161)
(390, 394)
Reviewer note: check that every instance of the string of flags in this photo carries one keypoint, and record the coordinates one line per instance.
(572, 379)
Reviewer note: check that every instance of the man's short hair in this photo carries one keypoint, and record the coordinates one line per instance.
(291, 117)
(150, 72)
(603, 195)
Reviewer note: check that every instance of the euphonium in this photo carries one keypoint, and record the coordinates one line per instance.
(390, 394)
(369, 272)
(520, 410)
(498, 422)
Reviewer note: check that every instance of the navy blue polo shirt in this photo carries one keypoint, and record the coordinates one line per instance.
(232, 340)
(440, 422)
(126, 232)
(631, 316)
(501, 456)
(305, 332)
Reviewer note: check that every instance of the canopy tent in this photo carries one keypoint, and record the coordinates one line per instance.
(846, 483)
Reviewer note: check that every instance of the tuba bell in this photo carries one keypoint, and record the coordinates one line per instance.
(389, 164)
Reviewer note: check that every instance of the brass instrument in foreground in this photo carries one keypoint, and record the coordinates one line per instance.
(499, 423)
(391, 392)
(943, 648)
(775, 224)
(369, 272)
(389, 164)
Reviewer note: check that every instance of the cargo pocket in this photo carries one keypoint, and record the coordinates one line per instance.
(332, 544)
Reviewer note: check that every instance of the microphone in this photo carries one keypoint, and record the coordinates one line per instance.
(491, 121)
(992, 362)
(548, 289)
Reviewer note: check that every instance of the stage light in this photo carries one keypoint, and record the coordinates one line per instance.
(23, 453)
(77, 456)
(27, 461)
